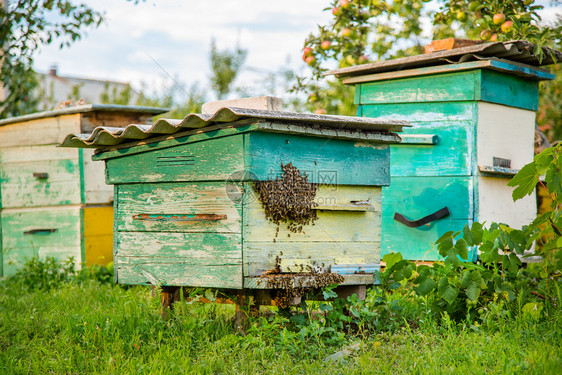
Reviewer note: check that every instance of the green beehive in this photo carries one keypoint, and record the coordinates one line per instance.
(187, 212)
(472, 111)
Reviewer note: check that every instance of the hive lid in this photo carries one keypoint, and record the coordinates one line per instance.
(85, 109)
(519, 51)
(104, 137)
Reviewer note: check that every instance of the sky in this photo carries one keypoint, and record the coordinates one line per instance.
(177, 35)
(157, 39)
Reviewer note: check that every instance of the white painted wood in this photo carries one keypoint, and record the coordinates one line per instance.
(43, 131)
(505, 132)
(96, 190)
(22, 154)
(496, 204)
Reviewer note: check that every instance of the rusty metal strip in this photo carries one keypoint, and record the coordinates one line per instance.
(179, 217)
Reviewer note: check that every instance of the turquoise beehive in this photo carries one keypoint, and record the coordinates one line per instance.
(473, 116)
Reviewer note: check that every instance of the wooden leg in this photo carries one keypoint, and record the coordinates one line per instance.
(167, 298)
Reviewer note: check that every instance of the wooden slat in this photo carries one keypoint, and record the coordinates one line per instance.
(509, 90)
(60, 238)
(329, 161)
(182, 259)
(178, 198)
(422, 112)
(96, 191)
(298, 281)
(214, 160)
(43, 131)
(260, 257)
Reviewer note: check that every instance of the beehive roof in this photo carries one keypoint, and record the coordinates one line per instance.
(103, 137)
(519, 51)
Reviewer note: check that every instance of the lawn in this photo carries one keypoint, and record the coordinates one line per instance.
(93, 327)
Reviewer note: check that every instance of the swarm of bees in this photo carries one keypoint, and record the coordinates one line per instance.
(288, 199)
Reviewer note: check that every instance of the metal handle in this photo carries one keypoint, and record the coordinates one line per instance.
(444, 212)
(40, 231)
(179, 217)
(41, 175)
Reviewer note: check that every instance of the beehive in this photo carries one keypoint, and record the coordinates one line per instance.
(187, 212)
(54, 202)
(473, 128)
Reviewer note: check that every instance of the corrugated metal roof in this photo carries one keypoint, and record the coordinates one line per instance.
(518, 51)
(84, 109)
(105, 136)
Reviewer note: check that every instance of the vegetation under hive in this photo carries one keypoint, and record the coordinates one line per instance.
(289, 199)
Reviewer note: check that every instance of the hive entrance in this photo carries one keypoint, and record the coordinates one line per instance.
(289, 199)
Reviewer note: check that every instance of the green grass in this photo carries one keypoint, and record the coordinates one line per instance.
(93, 328)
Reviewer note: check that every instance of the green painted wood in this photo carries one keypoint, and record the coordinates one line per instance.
(417, 197)
(328, 161)
(40, 183)
(179, 198)
(451, 156)
(51, 232)
(459, 86)
(418, 243)
(213, 160)
(422, 112)
(480, 84)
(509, 90)
(209, 260)
(260, 257)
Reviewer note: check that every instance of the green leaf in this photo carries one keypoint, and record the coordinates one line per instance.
(391, 258)
(462, 249)
(526, 180)
(446, 291)
(473, 291)
(426, 286)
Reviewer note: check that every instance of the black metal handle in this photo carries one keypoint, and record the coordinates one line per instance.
(40, 231)
(444, 212)
(41, 175)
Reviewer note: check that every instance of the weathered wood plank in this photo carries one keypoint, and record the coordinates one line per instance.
(214, 160)
(96, 191)
(459, 86)
(178, 198)
(328, 161)
(417, 197)
(182, 259)
(45, 131)
(260, 257)
(253, 282)
(509, 90)
(39, 232)
(40, 183)
(426, 112)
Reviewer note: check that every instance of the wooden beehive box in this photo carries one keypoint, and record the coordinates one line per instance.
(54, 201)
(186, 210)
(473, 129)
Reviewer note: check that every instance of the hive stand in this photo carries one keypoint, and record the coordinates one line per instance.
(54, 201)
(473, 129)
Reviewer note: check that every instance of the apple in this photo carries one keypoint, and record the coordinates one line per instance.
(346, 32)
(304, 57)
(461, 16)
(307, 51)
(350, 60)
(507, 26)
(336, 11)
(498, 18)
(310, 60)
(325, 44)
(313, 97)
(320, 111)
(345, 4)
(494, 38)
(363, 59)
(485, 34)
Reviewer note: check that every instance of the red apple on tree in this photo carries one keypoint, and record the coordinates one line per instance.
(507, 26)
(307, 51)
(498, 18)
(346, 32)
(310, 60)
(485, 34)
(494, 38)
(325, 44)
(363, 59)
(336, 11)
(345, 4)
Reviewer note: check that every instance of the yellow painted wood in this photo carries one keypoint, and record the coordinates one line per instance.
(98, 235)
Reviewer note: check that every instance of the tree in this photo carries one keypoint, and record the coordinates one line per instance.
(371, 30)
(25, 25)
(225, 66)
